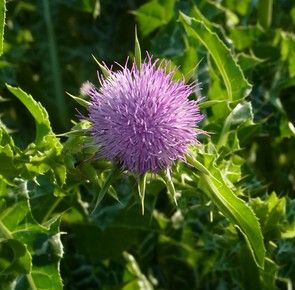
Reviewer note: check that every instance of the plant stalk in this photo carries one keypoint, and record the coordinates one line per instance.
(55, 66)
(5, 231)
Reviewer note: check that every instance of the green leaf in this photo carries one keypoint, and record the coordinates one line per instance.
(7, 157)
(27, 239)
(237, 211)
(240, 114)
(112, 175)
(80, 101)
(96, 9)
(207, 104)
(241, 7)
(170, 186)
(141, 190)
(154, 14)
(199, 166)
(2, 23)
(248, 62)
(288, 51)
(14, 257)
(40, 115)
(236, 85)
(45, 153)
(103, 69)
(142, 282)
(289, 231)
(245, 37)
(272, 213)
(3, 100)
(197, 15)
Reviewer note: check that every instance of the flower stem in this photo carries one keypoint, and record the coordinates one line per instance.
(31, 282)
(5, 231)
(55, 65)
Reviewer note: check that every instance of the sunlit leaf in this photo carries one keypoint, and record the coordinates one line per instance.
(40, 115)
(236, 85)
(154, 14)
(237, 211)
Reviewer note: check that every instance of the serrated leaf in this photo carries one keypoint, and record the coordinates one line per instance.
(45, 153)
(236, 85)
(197, 14)
(40, 115)
(237, 211)
(31, 239)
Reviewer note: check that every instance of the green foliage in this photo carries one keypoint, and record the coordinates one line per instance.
(23, 241)
(37, 111)
(154, 14)
(236, 85)
(224, 219)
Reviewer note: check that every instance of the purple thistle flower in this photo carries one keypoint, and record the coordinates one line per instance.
(142, 118)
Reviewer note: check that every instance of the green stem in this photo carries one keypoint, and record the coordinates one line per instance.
(265, 13)
(55, 66)
(5, 231)
(51, 209)
(2, 23)
(31, 282)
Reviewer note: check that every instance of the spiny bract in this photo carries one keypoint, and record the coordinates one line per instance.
(141, 117)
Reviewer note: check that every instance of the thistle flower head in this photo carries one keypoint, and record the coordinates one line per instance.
(142, 118)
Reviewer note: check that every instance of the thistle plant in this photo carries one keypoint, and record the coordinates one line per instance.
(141, 118)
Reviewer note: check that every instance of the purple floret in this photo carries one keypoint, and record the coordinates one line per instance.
(142, 118)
